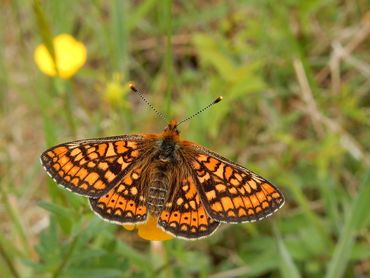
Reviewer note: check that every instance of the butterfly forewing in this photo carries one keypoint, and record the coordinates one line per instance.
(92, 167)
(232, 193)
(184, 214)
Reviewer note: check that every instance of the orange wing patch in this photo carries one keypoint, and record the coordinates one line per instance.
(125, 203)
(234, 194)
(91, 167)
(184, 214)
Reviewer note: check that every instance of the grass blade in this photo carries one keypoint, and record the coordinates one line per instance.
(356, 219)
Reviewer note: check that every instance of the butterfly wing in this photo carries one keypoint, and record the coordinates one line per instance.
(229, 192)
(124, 203)
(184, 215)
(92, 167)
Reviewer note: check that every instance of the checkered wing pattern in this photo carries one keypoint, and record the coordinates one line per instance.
(184, 214)
(231, 193)
(124, 203)
(92, 167)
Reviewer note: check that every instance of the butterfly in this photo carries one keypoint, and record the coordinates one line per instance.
(189, 189)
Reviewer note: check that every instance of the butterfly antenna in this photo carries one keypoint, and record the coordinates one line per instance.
(133, 88)
(217, 100)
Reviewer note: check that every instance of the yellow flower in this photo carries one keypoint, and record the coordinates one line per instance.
(115, 92)
(70, 56)
(149, 230)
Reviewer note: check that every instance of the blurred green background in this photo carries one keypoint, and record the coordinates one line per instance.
(295, 77)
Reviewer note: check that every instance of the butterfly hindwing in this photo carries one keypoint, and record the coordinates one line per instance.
(231, 193)
(124, 203)
(184, 214)
(92, 167)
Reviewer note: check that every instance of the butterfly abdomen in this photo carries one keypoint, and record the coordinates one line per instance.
(156, 198)
(158, 189)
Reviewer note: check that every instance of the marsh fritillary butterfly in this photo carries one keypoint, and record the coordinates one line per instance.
(188, 188)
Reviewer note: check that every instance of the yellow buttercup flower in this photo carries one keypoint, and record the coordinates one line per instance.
(115, 91)
(70, 56)
(149, 230)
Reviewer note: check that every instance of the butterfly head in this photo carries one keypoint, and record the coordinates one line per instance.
(171, 130)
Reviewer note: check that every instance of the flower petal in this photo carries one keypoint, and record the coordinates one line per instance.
(150, 231)
(70, 56)
(129, 227)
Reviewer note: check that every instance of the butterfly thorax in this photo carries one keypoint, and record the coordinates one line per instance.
(169, 142)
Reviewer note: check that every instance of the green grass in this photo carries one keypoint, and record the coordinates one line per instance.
(295, 111)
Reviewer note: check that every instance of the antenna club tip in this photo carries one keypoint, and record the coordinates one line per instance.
(218, 99)
(132, 87)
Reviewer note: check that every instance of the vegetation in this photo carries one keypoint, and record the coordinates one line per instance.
(295, 77)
